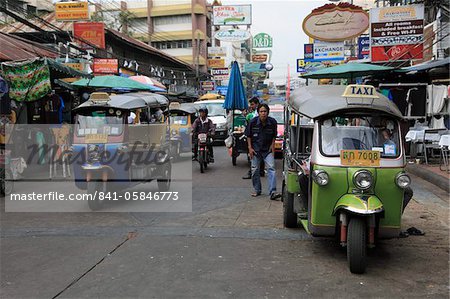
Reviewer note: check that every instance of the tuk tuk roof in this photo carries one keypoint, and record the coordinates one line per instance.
(128, 101)
(188, 108)
(316, 101)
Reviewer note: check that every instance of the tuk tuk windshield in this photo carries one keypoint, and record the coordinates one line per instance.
(99, 123)
(179, 119)
(377, 133)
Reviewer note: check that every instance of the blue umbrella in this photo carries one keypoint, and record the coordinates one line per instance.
(235, 98)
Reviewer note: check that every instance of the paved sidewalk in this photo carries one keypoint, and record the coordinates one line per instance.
(432, 174)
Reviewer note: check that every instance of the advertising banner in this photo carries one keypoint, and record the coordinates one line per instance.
(232, 35)
(232, 15)
(396, 33)
(217, 51)
(207, 85)
(308, 52)
(92, 32)
(261, 57)
(335, 23)
(220, 74)
(254, 67)
(363, 47)
(106, 66)
(324, 51)
(262, 40)
(71, 11)
(222, 90)
(215, 63)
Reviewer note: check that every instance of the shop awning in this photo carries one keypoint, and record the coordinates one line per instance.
(348, 71)
(66, 69)
(426, 66)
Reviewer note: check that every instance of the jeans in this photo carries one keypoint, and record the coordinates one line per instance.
(256, 176)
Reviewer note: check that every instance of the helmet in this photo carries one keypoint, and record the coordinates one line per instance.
(203, 109)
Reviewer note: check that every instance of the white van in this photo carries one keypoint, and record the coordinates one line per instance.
(218, 116)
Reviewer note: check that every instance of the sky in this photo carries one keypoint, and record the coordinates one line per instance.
(282, 20)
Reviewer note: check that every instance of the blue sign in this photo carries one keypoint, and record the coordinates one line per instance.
(363, 47)
(308, 52)
(222, 90)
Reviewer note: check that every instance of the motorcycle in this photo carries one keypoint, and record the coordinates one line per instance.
(204, 156)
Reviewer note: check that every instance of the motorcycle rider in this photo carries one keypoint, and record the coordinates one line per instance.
(203, 125)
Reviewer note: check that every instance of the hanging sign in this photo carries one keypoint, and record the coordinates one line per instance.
(92, 32)
(308, 52)
(232, 35)
(324, 51)
(335, 23)
(71, 11)
(106, 66)
(207, 85)
(363, 47)
(262, 40)
(216, 63)
(396, 33)
(220, 74)
(232, 15)
(217, 51)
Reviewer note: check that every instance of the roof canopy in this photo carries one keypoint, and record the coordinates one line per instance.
(348, 71)
(317, 101)
(127, 101)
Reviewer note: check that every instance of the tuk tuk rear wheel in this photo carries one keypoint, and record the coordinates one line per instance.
(357, 245)
(92, 186)
(289, 216)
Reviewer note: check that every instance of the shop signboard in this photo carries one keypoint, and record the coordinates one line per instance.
(71, 11)
(261, 57)
(254, 67)
(220, 74)
(217, 51)
(106, 66)
(325, 51)
(301, 66)
(232, 35)
(363, 47)
(262, 40)
(335, 23)
(396, 33)
(92, 32)
(222, 90)
(214, 63)
(225, 15)
(308, 52)
(207, 85)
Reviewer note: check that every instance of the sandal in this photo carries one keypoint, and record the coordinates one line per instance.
(255, 194)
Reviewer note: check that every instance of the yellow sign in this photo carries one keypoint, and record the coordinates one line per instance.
(96, 138)
(77, 66)
(360, 158)
(216, 63)
(360, 91)
(71, 11)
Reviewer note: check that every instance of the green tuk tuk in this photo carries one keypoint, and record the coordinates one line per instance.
(354, 187)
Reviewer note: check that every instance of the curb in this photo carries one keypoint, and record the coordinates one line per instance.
(429, 176)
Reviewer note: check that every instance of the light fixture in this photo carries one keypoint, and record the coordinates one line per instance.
(125, 63)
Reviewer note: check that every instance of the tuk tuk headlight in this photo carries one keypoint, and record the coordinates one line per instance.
(363, 179)
(403, 180)
(320, 177)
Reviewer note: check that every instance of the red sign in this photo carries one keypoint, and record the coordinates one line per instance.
(106, 66)
(397, 52)
(93, 33)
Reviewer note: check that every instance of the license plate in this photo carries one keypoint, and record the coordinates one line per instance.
(360, 158)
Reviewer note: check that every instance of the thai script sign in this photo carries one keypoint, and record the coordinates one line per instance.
(232, 35)
(92, 32)
(105, 66)
(216, 63)
(363, 47)
(396, 33)
(232, 15)
(262, 40)
(71, 11)
(334, 23)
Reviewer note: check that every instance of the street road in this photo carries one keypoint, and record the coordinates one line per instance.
(230, 245)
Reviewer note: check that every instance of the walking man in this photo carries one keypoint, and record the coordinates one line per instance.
(261, 133)
(253, 106)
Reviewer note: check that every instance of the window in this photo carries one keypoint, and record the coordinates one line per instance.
(183, 44)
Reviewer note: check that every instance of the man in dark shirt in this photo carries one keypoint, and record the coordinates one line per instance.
(261, 133)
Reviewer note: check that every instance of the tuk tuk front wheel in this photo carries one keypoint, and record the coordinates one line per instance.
(357, 245)
(164, 183)
(289, 216)
(95, 204)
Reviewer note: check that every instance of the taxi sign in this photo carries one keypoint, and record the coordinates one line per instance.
(360, 91)
(99, 97)
(360, 158)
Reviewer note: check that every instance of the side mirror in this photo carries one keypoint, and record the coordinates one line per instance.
(308, 149)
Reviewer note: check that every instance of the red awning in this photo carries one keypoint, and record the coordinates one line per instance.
(16, 48)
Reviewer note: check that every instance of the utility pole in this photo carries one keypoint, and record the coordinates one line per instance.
(149, 21)
(197, 60)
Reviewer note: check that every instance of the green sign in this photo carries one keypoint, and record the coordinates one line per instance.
(262, 40)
